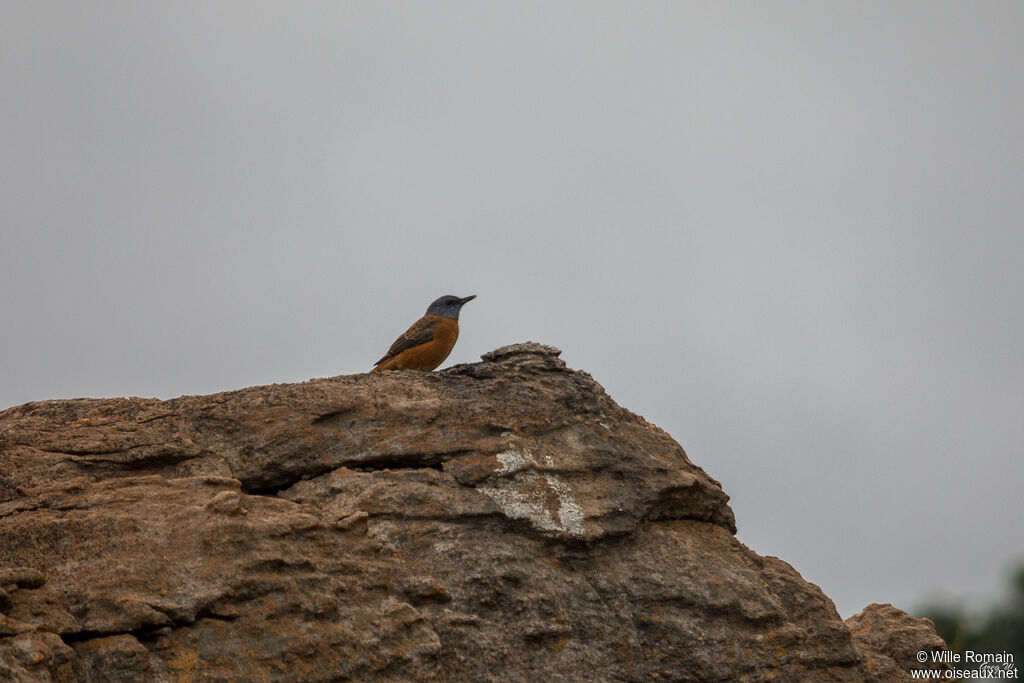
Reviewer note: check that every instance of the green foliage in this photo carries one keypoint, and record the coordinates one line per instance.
(1000, 629)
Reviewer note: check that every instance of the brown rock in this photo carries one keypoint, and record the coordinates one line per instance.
(30, 657)
(891, 641)
(501, 520)
(116, 658)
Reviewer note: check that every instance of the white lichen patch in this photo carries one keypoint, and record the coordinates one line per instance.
(541, 498)
(513, 461)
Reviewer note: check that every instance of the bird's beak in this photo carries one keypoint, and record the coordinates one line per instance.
(467, 299)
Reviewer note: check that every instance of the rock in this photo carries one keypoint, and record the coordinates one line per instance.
(891, 641)
(493, 521)
(21, 577)
(116, 658)
(30, 657)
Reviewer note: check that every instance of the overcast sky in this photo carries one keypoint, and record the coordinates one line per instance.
(789, 233)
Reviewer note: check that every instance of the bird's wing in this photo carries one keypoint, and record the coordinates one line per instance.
(421, 332)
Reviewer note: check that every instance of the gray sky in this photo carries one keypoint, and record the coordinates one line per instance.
(788, 233)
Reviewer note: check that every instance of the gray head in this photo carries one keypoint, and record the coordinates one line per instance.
(448, 306)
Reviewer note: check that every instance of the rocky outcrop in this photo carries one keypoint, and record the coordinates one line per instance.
(892, 642)
(502, 520)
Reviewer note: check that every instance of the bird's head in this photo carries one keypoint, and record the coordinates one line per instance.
(448, 306)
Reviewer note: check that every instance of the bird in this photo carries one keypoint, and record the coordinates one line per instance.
(429, 340)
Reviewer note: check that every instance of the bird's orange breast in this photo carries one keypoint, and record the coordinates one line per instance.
(429, 355)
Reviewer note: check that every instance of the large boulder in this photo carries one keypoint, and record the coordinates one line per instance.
(502, 520)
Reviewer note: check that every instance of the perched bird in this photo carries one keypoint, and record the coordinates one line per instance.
(428, 342)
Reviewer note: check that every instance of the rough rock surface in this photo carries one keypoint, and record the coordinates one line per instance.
(496, 521)
(891, 639)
